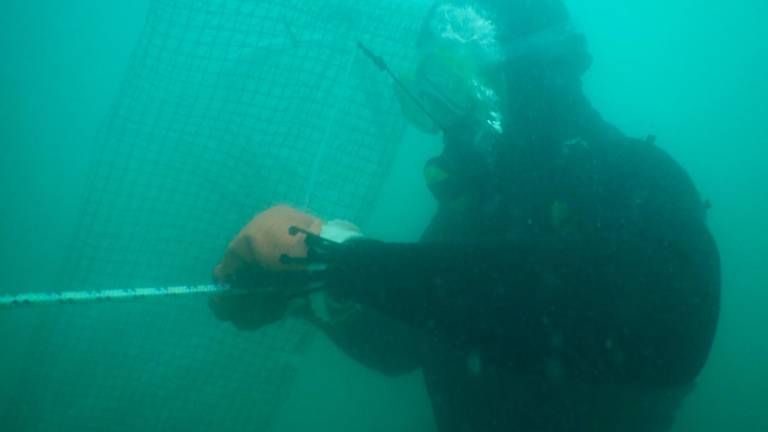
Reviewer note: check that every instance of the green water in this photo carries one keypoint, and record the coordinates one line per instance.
(693, 73)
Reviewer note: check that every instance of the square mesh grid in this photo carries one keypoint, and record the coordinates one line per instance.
(228, 106)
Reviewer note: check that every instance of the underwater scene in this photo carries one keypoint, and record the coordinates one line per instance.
(402, 215)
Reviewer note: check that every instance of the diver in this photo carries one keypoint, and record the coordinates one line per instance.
(568, 281)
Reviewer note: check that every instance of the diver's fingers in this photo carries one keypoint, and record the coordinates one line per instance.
(223, 271)
(239, 253)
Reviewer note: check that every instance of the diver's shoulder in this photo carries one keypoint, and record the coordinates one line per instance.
(648, 166)
(648, 154)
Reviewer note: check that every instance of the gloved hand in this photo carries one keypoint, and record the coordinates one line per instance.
(254, 256)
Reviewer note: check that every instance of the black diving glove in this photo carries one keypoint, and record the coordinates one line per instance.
(254, 302)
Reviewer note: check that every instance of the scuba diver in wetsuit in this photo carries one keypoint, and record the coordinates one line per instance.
(568, 281)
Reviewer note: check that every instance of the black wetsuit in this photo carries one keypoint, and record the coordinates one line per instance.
(578, 291)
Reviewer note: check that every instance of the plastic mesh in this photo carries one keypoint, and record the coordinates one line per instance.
(227, 108)
(231, 106)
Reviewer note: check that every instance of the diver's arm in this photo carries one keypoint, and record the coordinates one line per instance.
(401, 291)
(457, 291)
(372, 338)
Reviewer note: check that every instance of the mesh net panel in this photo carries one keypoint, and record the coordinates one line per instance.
(227, 108)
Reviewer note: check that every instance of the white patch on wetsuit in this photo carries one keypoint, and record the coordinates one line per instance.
(319, 307)
(554, 368)
(474, 364)
(609, 344)
(572, 145)
(555, 371)
(337, 231)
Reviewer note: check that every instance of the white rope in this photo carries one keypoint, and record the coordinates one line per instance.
(71, 297)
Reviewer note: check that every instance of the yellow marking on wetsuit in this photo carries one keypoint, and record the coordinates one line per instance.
(434, 174)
